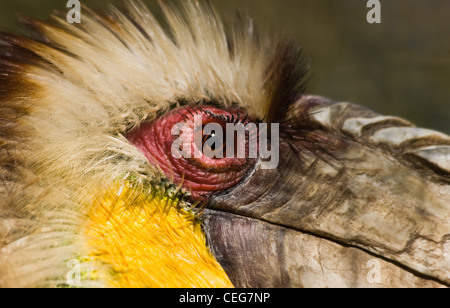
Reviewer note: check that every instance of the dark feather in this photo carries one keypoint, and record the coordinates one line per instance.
(286, 78)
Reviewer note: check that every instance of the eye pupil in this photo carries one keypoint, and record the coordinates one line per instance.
(207, 137)
(213, 145)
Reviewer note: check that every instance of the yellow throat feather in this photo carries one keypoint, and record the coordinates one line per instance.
(150, 240)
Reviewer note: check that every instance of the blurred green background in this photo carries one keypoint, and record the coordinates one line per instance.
(399, 67)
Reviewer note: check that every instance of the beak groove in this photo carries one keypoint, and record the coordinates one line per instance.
(323, 220)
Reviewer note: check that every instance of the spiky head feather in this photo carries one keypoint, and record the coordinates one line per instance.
(70, 94)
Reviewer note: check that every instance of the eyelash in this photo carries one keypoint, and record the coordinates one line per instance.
(228, 118)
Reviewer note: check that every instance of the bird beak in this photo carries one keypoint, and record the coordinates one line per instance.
(336, 212)
(255, 231)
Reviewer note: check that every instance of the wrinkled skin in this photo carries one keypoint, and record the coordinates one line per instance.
(346, 207)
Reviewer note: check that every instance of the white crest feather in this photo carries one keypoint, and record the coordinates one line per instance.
(92, 83)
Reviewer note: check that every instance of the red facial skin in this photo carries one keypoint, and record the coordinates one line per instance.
(201, 176)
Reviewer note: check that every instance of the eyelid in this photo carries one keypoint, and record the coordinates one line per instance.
(200, 175)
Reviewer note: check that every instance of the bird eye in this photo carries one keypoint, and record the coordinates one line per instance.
(212, 143)
(205, 149)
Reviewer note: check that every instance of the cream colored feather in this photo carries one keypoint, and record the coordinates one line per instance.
(89, 85)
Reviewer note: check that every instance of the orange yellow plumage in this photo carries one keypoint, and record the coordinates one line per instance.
(150, 240)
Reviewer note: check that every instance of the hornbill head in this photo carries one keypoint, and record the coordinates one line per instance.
(93, 192)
